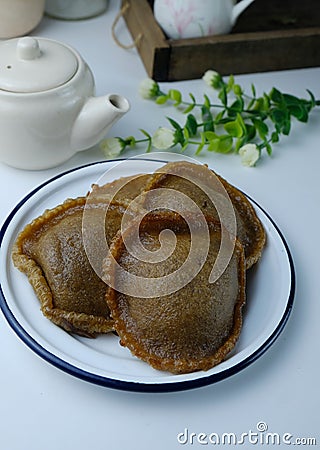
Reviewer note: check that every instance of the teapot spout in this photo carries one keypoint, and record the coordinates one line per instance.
(238, 9)
(97, 116)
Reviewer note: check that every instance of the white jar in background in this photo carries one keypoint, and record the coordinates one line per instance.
(182, 19)
(75, 9)
(19, 17)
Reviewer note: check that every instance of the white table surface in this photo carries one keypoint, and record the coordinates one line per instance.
(43, 408)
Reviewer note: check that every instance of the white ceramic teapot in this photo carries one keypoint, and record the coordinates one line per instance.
(182, 19)
(48, 110)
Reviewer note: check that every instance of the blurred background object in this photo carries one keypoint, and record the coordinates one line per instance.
(75, 9)
(183, 19)
(19, 17)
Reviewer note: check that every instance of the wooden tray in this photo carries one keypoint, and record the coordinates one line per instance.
(269, 35)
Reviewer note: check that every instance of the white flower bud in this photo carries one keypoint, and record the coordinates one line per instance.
(164, 138)
(112, 147)
(212, 79)
(249, 155)
(148, 88)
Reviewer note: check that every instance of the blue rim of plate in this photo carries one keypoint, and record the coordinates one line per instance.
(136, 386)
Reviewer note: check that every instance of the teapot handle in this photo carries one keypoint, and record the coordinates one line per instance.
(238, 9)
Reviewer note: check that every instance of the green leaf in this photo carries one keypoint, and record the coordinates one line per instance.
(299, 112)
(210, 135)
(259, 104)
(226, 144)
(223, 96)
(191, 125)
(222, 144)
(214, 145)
(192, 97)
(230, 83)
(162, 99)
(275, 137)
(291, 99)
(206, 113)
(251, 104)
(297, 107)
(208, 126)
(207, 102)
(189, 108)
(202, 144)
(239, 143)
(148, 150)
(280, 118)
(179, 131)
(175, 124)
(238, 105)
(237, 90)
(250, 132)
(241, 122)
(266, 102)
(253, 90)
(145, 133)
(269, 149)
(192, 105)
(286, 127)
(248, 136)
(175, 96)
(261, 127)
(199, 149)
(207, 119)
(219, 117)
(234, 129)
(276, 96)
(186, 133)
(313, 99)
(225, 120)
(186, 136)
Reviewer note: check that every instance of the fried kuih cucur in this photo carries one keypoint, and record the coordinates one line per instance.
(50, 251)
(188, 330)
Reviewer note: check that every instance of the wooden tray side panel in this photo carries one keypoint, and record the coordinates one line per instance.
(259, 53)
(151, 45)
(292, 42)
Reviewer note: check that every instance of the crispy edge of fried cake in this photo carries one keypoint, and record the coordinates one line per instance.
(246, 210)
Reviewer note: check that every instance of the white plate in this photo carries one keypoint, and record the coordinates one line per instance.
(102, 360)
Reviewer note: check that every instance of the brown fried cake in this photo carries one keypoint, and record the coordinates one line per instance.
(185, 330)
(196, 181)
(51, 252)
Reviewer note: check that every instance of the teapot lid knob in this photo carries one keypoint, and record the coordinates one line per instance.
(30, 64)
(28, 48)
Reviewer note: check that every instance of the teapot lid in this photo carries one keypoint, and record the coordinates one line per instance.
(34, 65)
